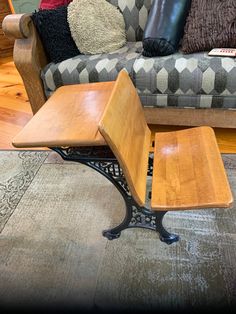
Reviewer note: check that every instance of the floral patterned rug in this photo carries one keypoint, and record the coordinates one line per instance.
(53, 254)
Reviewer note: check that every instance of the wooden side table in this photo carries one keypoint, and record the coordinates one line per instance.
(6, 45)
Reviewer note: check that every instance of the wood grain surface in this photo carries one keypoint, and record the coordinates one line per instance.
(6, 44)
(69, 118)
(29, 56)
(124, 128)
(188, 171)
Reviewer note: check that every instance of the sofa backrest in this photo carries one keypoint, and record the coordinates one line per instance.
(135, 14)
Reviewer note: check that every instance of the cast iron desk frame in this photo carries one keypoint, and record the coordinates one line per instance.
(102, 159)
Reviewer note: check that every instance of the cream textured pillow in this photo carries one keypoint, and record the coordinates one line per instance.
(96, 26)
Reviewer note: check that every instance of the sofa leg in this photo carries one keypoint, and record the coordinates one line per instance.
(103, 161)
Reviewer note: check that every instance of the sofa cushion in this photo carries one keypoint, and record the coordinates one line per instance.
(96, 26)
(195, 80)
(90, 68)
(210, 24)
(178, 80)
(135, 14)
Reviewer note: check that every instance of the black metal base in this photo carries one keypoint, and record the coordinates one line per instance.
(141, 217)
(101, 159)
(109, 235)
(171, 238)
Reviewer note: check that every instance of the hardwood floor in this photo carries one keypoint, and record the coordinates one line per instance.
(15, 111)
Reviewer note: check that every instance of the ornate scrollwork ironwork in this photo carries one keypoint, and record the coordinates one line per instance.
(141, 219)
(85, 153)
(101, 159)
(150, 165)
(113, 170)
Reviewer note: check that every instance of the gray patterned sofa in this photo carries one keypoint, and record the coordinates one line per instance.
(178, 89)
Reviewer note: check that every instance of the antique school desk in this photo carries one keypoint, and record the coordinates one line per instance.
(102, 125)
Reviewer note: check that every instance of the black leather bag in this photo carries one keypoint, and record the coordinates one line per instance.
(164, 27)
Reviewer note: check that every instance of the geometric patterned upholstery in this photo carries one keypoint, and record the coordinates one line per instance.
(194, 80)
(90, 68)
(135, 13)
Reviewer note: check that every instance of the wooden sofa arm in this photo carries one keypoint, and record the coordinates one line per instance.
(16, 26)
(29, 56)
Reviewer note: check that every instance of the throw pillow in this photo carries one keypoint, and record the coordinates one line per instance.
(96, 26)
(210, 24)
(164, 27)
(52, 4)
(54, 32)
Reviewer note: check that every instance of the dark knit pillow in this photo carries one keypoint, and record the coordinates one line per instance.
(164, 27)
(55, 34)
(210, 24)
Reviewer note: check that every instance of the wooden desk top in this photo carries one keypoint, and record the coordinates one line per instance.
(69, 118)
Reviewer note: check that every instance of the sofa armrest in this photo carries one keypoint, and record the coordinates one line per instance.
(29, 55)
(16, 26)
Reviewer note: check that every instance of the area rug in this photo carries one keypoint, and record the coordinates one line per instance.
(53, 254)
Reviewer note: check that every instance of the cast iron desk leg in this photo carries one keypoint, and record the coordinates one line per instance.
(101, 159)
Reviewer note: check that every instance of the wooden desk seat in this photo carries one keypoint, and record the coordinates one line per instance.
(188, 171)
